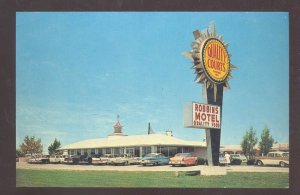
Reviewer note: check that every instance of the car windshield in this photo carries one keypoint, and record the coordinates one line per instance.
(183, 155)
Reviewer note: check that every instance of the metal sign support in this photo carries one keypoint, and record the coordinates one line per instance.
(213, 136)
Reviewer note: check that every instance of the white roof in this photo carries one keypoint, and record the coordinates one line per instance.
(134, 140)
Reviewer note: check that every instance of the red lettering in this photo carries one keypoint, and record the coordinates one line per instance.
(196, 107)
(197, 115)
(213, 118)
(203, 116)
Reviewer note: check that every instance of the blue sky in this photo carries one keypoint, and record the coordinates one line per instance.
(75, 72)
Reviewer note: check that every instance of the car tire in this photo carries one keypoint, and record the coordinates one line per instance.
(259, 163)
(282, 164)
(196, 163)
(125, 163)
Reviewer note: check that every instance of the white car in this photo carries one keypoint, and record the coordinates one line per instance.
(239, 156)
(98, 159)
(57, 158)
(124, 159)
(44, 159)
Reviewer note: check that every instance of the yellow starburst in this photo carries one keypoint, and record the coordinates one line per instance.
(211, 60)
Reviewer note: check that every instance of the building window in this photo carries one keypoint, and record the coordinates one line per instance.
(131, 152)
(172, 151)
(168, 151)
(93, 151)
(137, 151)
(188, 149)
(146, 150)
(164, 150)
(108, 151)
(116, 151)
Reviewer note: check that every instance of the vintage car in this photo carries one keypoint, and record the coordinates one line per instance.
(43, 159)
(57, 158)
(274, 158)
(78, 159)
(124, 159)
(99, 159)
(238, 156)
(154, 159)
(69, 160)
(183, 159)
(222, 160)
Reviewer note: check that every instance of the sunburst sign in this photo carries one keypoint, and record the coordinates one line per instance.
(211, 59)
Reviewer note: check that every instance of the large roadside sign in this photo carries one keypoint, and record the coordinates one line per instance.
(203, 116)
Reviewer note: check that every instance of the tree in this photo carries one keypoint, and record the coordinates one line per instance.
(53, 147)
(248, 143)
(31, 146)
(266, 141)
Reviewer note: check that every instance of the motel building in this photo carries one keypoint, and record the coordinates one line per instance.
(137, 145)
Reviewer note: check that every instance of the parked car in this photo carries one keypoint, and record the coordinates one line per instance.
(235, 161)
(239, 156)
(124, 159)
(57, 158)
(222, 160)
(154, 159)
(78, 159)
(183, 159)
(85, 159)
(43, 159)
(99, 159)
(133, 160)
(70, 160)
(274, 158)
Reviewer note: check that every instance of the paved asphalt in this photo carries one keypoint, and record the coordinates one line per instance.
(202, 168)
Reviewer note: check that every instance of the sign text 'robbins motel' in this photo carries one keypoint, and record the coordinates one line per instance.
(198, 115)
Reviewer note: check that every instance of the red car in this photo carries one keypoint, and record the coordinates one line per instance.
(183, 159)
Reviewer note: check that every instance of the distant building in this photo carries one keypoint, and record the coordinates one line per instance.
(237, 149)
(140, 145)
(137, 145)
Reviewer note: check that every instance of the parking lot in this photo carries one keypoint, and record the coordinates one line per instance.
(203, 168)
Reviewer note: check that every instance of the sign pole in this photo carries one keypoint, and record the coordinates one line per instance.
(211, 62)
(213, 136)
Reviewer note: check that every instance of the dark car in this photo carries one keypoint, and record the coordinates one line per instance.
(78, 159)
